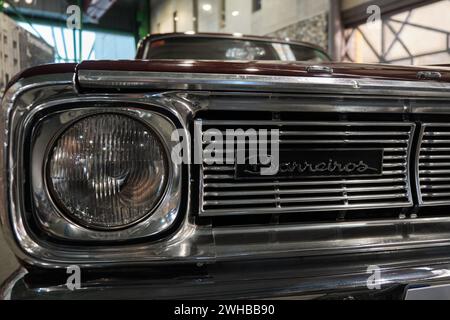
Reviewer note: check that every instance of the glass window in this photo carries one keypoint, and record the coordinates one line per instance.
(95, 45)
(230, 49)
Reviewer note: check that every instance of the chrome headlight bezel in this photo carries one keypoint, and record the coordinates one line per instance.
(72, 215)
(50, 217)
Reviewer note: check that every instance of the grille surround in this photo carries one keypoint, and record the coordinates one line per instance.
(218, 195)
(433, 164)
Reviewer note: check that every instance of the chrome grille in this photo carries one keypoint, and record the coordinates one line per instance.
(222, 194)
(434, 164)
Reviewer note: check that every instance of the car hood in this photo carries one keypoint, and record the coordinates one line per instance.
(268, 68)
(271, 68)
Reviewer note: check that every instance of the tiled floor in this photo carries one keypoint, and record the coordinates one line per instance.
(7, 261)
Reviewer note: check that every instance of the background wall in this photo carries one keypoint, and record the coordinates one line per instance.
(348, 4)
(8, 262)
(9, 50)
(296, 19)
(161, 15)
(312, 30)
(417, 35)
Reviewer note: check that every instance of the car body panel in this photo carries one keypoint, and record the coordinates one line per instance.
(327, 273)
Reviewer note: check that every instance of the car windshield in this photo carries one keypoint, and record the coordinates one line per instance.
(229, 49)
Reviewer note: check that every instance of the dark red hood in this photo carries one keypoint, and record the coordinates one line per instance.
(41, 70)
(272, 68)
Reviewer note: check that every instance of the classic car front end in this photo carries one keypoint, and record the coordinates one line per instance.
(88, 179)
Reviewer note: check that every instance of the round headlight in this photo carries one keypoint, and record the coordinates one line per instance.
(108, 171)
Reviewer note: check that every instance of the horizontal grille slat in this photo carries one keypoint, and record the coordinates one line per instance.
(428, 157)
(429, 141)
(389, 155)
(303, 191)
(343, 133)
(324, 133)
(304, 208)
(303, 183)
(433, 172)
(434, 149)
(274, 123)
(395, 149)
(388, 141)
(230, 176)
(434, 164)
(427, 179)
(436, 195)
(394, 157)
(434, 187)
(303, 199)
(394, 165)
(222, 193)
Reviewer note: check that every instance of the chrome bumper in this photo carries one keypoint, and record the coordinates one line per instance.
(270, 279)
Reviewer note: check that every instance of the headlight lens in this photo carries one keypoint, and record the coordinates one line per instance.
(108, 171)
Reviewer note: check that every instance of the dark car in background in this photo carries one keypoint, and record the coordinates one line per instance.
(358, 207)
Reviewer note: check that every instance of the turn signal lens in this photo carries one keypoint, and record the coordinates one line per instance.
(108, 171)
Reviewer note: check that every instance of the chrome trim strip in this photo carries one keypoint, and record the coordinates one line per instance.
(429, 75)
(286, 280)
(307, 123)
(427, 292)
(317, 69)
(236, 82)
(306, 183)
(293, 102)
(287, 240)
(7, 287)
(305, 191)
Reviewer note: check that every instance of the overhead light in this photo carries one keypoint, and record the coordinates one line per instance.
(176, 18)
(190, 32)
(207, 7)
(5, 5)
(235, 13)
(29, 1)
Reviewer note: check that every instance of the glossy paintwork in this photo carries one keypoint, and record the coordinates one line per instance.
(272, 68)
(45, 69)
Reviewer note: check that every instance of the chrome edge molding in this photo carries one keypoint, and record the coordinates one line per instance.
(9, 284)
(189, 243)
(204, 81)
(286, 280)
